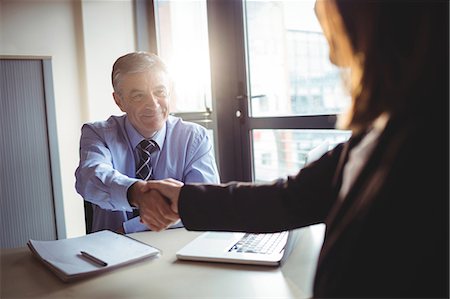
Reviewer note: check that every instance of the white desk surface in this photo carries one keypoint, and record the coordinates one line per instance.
(23, 276)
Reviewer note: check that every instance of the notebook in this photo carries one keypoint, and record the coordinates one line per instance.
(270, 249)
(91, 254)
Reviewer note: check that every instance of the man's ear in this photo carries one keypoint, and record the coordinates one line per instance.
(118, 101)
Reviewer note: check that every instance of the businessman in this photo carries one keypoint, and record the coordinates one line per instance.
(119, 155)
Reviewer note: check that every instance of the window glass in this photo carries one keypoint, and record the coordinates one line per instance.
(289, 68)
(183, 45)
(278, 153)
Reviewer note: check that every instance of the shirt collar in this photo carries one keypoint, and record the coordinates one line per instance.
(135, 137)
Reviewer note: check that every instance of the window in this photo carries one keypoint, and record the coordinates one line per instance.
(278, 153)
(289, 75)
(288, 61)
(257, 74)
(182, 38)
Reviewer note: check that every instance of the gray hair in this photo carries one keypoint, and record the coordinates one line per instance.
(135, 62)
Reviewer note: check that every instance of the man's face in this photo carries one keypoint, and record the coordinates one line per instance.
(144, 97)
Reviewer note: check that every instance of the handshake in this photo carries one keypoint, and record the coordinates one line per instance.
(157, 202)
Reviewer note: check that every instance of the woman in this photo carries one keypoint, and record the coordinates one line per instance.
(383, 194)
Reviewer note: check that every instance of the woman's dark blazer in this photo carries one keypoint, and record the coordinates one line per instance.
(388, 237)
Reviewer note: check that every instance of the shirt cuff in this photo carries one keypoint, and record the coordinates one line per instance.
(119, 192)
(134, 225)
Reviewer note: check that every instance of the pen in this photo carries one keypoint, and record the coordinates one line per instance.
(94, 259)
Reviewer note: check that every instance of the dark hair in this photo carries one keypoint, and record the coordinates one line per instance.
(403, 49)
(135, 62)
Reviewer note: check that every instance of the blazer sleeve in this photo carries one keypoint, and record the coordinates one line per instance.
(281, 205)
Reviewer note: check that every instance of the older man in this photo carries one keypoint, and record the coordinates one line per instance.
(119, 155)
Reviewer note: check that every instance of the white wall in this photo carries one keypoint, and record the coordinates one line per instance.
(83, 38)
(108, 28)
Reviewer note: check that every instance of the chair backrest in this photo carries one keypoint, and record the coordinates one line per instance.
(88, 212)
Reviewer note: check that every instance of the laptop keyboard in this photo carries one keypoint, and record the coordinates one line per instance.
(258, 243)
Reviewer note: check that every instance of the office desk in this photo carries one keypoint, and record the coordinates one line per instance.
(22, 275)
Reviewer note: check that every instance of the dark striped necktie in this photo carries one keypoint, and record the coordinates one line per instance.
(144, 170)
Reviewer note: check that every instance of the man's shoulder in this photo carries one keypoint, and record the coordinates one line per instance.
(185, 132)
(179, 126)
(110, 131)
(112, 123)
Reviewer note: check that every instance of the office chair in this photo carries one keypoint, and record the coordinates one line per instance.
(88, 215)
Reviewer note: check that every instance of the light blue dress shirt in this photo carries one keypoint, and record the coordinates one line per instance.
(108, 158)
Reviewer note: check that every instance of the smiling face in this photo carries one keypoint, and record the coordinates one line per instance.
(144, 97)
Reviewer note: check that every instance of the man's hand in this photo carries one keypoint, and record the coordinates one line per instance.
(155, 211)
(168, 188)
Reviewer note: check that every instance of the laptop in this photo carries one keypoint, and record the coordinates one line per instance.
(230, 247)
(268, 249)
